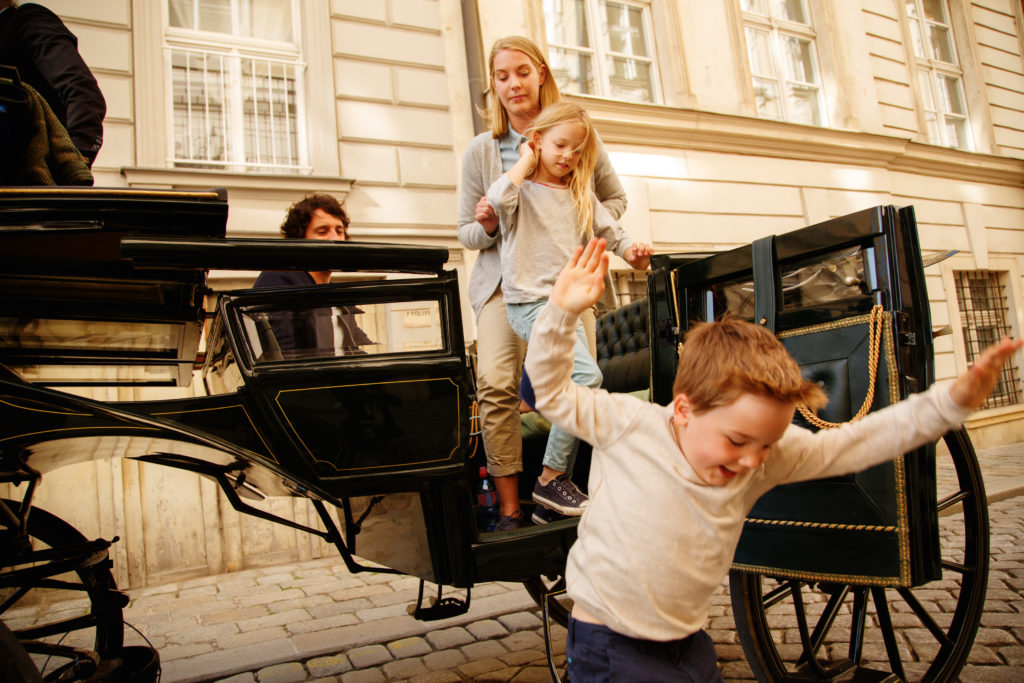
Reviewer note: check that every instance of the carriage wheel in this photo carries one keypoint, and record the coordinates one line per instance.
(833, 619)
(60, 564)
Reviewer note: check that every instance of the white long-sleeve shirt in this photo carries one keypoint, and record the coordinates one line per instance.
(656, 541)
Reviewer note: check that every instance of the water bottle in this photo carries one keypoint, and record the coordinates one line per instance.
(487, 511)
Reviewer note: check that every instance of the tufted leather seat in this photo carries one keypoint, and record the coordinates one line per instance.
(623, 353)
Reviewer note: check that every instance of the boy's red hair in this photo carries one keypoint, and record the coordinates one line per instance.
(719, 361)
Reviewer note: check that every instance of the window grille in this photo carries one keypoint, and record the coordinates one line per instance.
(783, 60)
(602, 47)
(981, 299)
(236, 86)
(233, 110)
(630, 285)
(939, 78)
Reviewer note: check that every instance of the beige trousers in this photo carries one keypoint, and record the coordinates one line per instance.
(499, 364)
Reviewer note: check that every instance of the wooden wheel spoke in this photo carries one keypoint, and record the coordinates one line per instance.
(957, 567)
(827, 618)
(952, 500)
(888, 633)
(923, 616)
(778, 594)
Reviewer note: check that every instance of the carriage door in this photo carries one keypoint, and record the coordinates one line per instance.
(847, 298)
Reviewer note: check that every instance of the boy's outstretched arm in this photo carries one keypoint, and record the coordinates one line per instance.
(972, 388)
(581, 282)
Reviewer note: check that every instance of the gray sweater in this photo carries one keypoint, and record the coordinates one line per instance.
(656, 541)
(539, 234)
(481, 166)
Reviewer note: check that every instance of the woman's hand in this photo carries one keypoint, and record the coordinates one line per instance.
(638, 255)
(485, 216)
(972, 388)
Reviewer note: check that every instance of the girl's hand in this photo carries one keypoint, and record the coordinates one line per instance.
(485, 216)
(523, 168)
(638, 255)
(972, 388)
(527, 163)
(526, 149)
(581, 282)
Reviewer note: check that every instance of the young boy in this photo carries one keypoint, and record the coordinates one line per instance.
(671, 485)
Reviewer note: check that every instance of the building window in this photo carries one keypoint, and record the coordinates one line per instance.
(938, 73)
(603, 48)
(236, 85)
(783, 61)
(630, 285)
(982, 302)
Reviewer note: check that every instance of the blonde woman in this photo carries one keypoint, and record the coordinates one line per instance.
(546, 209)
(521, 86)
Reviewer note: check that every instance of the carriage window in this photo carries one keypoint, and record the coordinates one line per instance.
(812, 282)
(343, 331)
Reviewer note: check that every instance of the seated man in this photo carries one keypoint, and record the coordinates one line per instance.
(311, 331)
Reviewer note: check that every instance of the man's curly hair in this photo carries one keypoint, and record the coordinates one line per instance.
(301, 213)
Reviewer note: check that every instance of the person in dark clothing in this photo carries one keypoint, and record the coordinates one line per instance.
(35, 41)
(311, 331)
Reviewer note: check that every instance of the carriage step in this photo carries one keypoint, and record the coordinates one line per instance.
(439, 608)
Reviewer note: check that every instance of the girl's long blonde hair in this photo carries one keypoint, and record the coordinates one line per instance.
(581, 178)
(497, 117)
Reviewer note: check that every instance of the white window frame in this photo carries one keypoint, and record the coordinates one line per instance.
(600, 52)
(929, 70)
(778, 27)
(233, 51)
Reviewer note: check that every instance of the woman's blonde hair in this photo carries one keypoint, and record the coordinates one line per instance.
(580, 179)
(497, 117)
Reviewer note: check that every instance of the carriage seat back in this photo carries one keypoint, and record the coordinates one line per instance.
(623, 353)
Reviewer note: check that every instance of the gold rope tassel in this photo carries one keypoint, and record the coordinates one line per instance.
(875, 323)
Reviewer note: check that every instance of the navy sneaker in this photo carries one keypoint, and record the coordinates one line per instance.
(543, 515)
(510, 522)
(561, 495)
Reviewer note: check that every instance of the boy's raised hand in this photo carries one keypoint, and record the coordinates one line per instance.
(581, 282)
(972, 388)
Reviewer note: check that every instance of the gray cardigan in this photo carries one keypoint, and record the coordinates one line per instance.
(481, 166)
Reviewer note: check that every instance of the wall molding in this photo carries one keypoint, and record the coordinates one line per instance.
(648, 125)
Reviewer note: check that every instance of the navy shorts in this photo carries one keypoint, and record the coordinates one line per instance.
(597, 654)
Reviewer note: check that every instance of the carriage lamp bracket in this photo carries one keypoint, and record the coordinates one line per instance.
(440, 607)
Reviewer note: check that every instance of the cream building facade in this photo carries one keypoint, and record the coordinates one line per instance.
(726, 120)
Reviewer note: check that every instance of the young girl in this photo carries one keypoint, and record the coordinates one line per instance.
(546, 208)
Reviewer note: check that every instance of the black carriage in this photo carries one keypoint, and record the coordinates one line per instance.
(107, 287)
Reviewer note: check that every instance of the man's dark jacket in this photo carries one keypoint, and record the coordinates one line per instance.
(45, 52)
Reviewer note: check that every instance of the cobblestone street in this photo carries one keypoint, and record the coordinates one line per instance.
(355, 629)
(315, 621)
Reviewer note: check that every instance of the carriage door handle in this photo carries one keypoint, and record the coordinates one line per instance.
(767, 281)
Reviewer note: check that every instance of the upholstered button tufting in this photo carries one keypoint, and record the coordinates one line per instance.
(622, 348)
